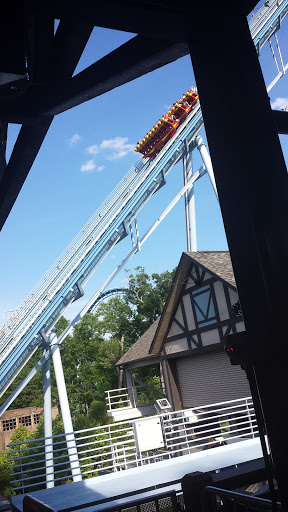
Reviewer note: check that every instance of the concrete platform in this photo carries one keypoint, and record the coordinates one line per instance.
(122, 487)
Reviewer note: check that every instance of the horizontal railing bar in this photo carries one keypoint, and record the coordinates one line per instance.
(71, 441)
(118, 396)
(29, 441)
(61, 456)
(209, 437)
(227, 410)
(119, 402)
(255, 502)
(195, 441)
(200, 427)
(216, 421)
(223, 430)
(98, 449)
(103, 440)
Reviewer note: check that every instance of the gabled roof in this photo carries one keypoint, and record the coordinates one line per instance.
(140, 350)
(217, 263)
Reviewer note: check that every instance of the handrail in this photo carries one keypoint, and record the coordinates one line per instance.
(249, 503)
(112, 447)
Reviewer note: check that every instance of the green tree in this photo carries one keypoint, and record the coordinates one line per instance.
(146, 297)
(81, 363)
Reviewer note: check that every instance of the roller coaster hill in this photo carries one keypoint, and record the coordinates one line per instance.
(166, 127)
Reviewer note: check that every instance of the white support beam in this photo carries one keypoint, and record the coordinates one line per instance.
(199, 144)
(47, 404)
(190, 213)
(65, 409)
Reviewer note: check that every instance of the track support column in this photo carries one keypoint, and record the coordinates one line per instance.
(65, 409)
(47, 404)
(190, 213)
(199, 144)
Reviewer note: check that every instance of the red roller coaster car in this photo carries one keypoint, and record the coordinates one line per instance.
(156, 138)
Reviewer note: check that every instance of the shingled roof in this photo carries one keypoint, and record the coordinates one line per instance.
(217, 263)
(140, 350)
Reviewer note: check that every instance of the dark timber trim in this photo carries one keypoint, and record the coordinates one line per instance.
(194, 336)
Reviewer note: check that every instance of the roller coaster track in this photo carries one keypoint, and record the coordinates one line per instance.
(25, 330)
(105, 295)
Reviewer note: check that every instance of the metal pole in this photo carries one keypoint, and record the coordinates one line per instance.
(47, 404)
(199, 143)
(190, 213)
(65, 409)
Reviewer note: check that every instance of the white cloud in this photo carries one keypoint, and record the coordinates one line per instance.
(74, 139)
(116, 148)
(100, 168)
(113, 148)
(93, 150)
(280, 104)
(88, 166)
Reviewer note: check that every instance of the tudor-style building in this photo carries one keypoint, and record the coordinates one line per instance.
(189, 337)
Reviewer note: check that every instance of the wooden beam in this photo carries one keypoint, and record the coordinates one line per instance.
(281, 121)
(251, 178)
(24, 153)
(63, 58)
(133, 59)
(165, 20)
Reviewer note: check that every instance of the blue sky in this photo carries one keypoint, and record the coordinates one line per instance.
(85, 154)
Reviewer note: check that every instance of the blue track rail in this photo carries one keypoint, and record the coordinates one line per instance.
(62, 284)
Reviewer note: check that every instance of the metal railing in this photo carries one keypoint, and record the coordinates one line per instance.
(267, 21)
(133, 396)
(166, 501)
(113, 447)
(220, 500)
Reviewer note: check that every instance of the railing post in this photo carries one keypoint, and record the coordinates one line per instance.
(109, 401)
(22, 481)
(112, 450)
(250, 419)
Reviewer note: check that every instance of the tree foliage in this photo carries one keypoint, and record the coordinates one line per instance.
(89, 357)
(90, 354)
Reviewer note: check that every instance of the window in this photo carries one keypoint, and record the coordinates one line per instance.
(8, 424)
(25, 420)
(204, 307)
(36, 419)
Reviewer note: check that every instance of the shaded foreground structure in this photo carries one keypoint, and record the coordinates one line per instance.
(223, 55)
